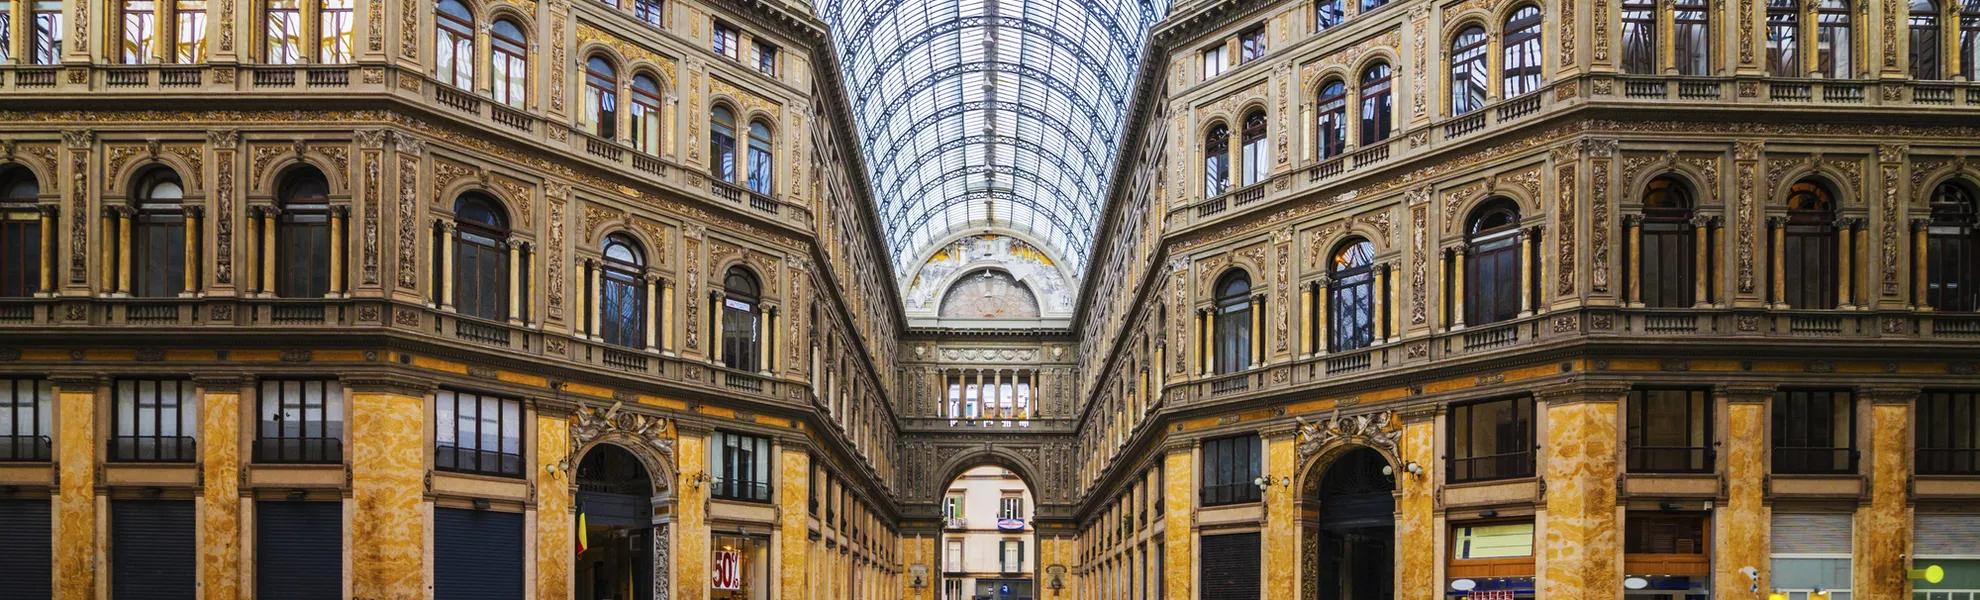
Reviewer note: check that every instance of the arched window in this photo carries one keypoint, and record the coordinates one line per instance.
(1217, 161)
(1351, 297)
(20, 233)
(1468, 70)
(762, 164)
(1639, 37)
(1233, 322)
(1257, 156)
(1834, 40)
(1521, 74)
(1784, 38)
(1669, 256)
(302, 236)
(601, 97)
(481, 258)
(1949, 250)
(1327, 13)
(1492, 272)
(646, 114)
(1924, 22)
(1969, 39)
(453, 44)
(158, 235)
(1377, 102)
(722, 144)
(509, 54)
(623, 315)
(1333, 119)
(739, 322)
(1809, 253)
(1691, 37)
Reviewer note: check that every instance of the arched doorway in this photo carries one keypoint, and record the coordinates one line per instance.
(1349, 532)
(988, 546)
(615, 497)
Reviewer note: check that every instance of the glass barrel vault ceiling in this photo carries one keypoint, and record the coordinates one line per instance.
(990, 114)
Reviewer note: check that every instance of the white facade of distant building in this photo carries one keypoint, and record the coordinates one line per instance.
(979, 558)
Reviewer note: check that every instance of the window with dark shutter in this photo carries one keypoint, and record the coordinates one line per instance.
(26, 552)
(152, 550)
(477, 555)
(298, 552)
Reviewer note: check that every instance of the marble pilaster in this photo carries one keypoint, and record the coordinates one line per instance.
(1581, 529)
(554, 519)
(388, 451)
(1179, 473)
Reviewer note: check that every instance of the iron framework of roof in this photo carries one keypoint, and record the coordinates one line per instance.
(990, 115)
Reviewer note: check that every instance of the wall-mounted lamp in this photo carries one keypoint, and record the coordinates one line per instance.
(695, 480)
(1409, 467)
(1931, 574)
(1265, 483)
(1777, 594)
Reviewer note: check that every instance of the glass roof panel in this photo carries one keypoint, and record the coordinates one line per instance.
(990, 114)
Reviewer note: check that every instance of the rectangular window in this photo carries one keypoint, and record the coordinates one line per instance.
(1214, 63)
(1251, 45)
(476, 433)
(302, 421)
(1949, 433)
(285, 34)
(1012, 556)
(1670, 431)
(1492, 440)
(1674, 549)
(955, 562)
(1497, 556)
(6, 30)
(27, 419)
(1945, 540)
(1011, 507)
(334, 31)
(650, 11)
(1811, 551)
(1814, 432)
(155, 421)
(766, 58)
(189, 32)
(1229, 466)
(741, 567)
(47, 32)
(139, 20)
(727, 43)
(741, 467)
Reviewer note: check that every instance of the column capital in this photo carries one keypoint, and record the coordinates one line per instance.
(1633, 219)
(221, 380)
(1701, 221)
(196, 212)
(1920, 223)
(1744, 393)
(48, 210)
(387, 383)
(1777, 220)
(1576, 392)
(340, 211)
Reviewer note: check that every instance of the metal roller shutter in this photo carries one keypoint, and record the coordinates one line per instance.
(299, 550)
(477, 555)
(152, 551)
(1812, 533)
(25, 550)
(1230, 566)
(1945, 534)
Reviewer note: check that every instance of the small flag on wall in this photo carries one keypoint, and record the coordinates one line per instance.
(583, 538)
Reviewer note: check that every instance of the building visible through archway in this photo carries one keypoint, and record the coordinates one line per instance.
(988, 542)
(1350, 540)
(615, 496)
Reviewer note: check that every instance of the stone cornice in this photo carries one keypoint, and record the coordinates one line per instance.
(1745, 392)
(387, 383)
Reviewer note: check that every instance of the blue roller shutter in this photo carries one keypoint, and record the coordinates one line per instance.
(25, 550)
(152, 551)
(477, 555)
(299, 550)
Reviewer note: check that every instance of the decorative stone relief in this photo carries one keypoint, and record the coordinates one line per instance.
(1566, 164)
(408, 265)
(555, 263)
(1376, 429)
(592, 424)
(1419, 213)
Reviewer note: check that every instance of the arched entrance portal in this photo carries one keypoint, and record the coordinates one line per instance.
(1349, 532)
(615, 495)
(988, 546)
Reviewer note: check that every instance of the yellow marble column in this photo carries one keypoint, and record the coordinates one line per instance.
(48, 248)
(666, 319)
(337, 214)
(447, 265)
(220, 500)
(1179, 467)
(1322, 333)
(189, 285)
(1581, 529)
(1416, 568)
(691, 551)
(1305, 313)
(124, 250)
(794, 514)
(1281, 519)
(75, 559)
(1529, 266)
(1740, 528)
(515, 282)
(1457, 288)
(1883, 528)
(554, 520)
(388, 466)
(268, 215)
(1778, 224)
